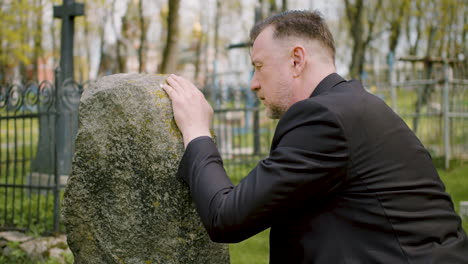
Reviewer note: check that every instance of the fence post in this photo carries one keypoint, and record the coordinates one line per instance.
(57, 96)
(256, 128)
(391, 80)
(447, 147)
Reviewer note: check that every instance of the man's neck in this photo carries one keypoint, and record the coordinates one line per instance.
(312, 80)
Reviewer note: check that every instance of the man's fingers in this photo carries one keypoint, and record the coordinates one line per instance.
(175, 84)
(180, 88)
(185, 84)
(169, 90)
(182, 81)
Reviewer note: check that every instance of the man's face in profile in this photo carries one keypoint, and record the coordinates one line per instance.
(270, 80)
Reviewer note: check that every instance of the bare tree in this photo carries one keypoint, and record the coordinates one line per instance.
(37, 40)
(396, 18)
(270, 7)
(439, 19)
(205, 48)
(143, 28)
(107, 62)
(120, 46)
(464, 43)
(104, 62)
(199, 37)
(362, 17)
(414, 27)
(284, 5)
(169, 60)
(273, 7)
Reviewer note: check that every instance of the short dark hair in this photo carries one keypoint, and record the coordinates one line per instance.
(299, 23)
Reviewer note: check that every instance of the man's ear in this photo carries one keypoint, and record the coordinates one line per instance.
(298, 56)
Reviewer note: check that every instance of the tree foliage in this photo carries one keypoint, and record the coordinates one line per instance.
(422, 28)
(427, 28)
(17, 20)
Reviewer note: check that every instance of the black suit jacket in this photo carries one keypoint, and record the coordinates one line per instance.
(346, 181)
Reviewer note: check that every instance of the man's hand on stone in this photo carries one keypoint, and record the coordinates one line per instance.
(192, 112)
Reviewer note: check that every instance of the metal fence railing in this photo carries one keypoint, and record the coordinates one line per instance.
(33, 160)
(243, 137)
(37, 125)
(435, 108)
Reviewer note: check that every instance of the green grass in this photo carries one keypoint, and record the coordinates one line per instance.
(430, 127)
(456, 184)
(18, 256)
(252, 250)
(32, 211)
(18, 139)
(256, 248)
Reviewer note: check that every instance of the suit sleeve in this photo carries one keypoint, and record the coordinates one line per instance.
(307, 162)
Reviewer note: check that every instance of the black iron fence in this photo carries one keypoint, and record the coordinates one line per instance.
(38, 123)
(243, 137)
(433, 101)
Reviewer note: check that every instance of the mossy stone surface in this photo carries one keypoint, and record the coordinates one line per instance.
(123, 202)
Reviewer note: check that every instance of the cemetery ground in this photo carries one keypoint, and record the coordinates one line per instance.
(253, 250)
(35, 211)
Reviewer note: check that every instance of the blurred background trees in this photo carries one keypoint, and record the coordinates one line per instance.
(190, 37)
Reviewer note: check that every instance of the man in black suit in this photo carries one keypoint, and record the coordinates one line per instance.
(346, 181)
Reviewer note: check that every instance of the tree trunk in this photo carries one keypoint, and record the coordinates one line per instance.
(2, 64)
(198, 50)
(273, 7)
(169, 61)
(87, 41)
(425, 91)
(23, 21)
(413, 50)
(354, 14)
(284, 5)
(206, 48)
(103, 67)
(396, 26)
(141, 48)
(465, 42)
(37, 42)
(361, 39)
(214, 85)
(357, 60)
(120, 58)
(259, 7)
(199, 37)
(120, 46)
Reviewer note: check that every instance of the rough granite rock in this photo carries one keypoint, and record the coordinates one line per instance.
(123, 202)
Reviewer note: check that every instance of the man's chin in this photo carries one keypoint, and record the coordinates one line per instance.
(274, 113)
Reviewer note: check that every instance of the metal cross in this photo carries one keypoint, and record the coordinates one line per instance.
(67, 12)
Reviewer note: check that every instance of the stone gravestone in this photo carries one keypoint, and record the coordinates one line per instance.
(123, 202)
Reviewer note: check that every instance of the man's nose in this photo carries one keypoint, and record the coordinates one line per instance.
(254, 84)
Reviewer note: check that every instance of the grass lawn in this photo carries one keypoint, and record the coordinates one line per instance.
(456, 184)
(255, 249)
